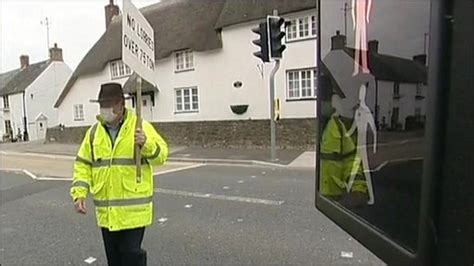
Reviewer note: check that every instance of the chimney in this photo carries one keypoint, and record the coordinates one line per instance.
(338, 41)
(24, 61)
(374, 46)
(421, 58)
(111, 10)
(55, 53)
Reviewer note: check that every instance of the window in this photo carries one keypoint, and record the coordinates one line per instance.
(119, 70)
(184, 61)
(6, 102)
(302, 84)
(8, 127)
(396, 89)
(419, 89)
(78, 112)
(292, 30)
(187, 100)
(301, 28)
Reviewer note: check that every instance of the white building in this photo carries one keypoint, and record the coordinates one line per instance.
(204, 64)
(396, 89)
(27, 95)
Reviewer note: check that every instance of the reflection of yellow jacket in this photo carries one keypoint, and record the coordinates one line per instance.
(108, 171)
(338, 152)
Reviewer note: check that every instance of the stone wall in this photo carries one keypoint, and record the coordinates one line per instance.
(291, 133)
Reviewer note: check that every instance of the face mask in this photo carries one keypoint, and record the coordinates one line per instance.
(108, 114)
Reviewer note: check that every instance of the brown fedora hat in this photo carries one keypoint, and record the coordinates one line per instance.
(108, 92)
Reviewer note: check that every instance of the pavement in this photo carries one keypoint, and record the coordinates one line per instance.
(204, 215)
(285, 158)
(392, 146)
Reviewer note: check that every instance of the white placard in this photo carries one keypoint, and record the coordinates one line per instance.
(138, 42)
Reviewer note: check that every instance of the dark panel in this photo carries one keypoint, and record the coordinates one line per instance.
(455, 226)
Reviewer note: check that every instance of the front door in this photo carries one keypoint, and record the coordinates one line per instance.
(41, 126)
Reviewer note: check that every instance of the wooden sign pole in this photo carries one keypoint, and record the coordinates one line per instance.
(138, 154)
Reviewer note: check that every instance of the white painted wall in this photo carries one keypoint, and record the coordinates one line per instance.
(2, 119)
(42, 93)
(407, 101)
(214, 74)
(16, 112)
(85, 88)
(385, 101)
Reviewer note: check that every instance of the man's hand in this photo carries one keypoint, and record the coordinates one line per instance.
(80, 205)
(140, 137)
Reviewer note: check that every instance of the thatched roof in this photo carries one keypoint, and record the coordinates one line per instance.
(182, 24)
(239, 11)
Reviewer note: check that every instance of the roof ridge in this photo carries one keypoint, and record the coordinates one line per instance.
(17, 69)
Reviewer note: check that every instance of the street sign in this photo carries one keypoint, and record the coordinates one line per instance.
(138, 43)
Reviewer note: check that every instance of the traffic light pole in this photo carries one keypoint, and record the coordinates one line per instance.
(272, 111)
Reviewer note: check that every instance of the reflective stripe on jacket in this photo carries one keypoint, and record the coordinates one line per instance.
(108, 172)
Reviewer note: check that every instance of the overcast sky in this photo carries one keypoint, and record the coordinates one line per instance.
(398, 25)
(76, 26)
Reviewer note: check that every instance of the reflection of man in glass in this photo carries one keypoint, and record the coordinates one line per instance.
(360, 19)
(337, 152)
(363, 118)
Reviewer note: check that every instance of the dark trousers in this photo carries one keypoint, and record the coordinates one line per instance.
(123, 248)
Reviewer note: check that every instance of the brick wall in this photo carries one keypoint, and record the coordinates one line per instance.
(291, 133)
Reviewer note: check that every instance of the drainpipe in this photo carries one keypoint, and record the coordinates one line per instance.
(25, 120)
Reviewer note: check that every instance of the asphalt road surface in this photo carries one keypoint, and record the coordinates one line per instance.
(204, 215)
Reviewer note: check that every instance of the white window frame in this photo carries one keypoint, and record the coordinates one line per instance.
(312, 79)
(118, 69)
(180, 107)
(6, 102)
(295, 28)
(78, 112)
(184, 61)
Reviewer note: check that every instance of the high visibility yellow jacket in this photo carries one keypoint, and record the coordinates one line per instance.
(108, 171)
(338, 153)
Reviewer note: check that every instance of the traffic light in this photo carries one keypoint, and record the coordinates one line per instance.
(262, 42)
(276, 36)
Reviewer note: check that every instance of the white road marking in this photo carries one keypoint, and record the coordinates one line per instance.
(30, 174)
(218, 197)
(253, 176)
(180, 169)
(226, 188)
(240, 181)
(90, 260)
(11, 169)
(240, 220)
(263, 173)
(382, 165)
(187, 206)
(162, 220)
(346, 254)
(46, 178)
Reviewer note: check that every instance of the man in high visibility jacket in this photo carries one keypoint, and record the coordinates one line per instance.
(337, 154)
(105, 166)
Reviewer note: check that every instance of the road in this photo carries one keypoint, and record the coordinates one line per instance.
(204, 214)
